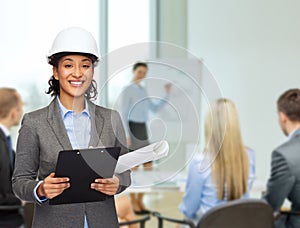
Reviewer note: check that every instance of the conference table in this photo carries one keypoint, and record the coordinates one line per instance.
(157, 181)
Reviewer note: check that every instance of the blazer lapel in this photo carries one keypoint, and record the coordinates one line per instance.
(97, 123)
(57, 125)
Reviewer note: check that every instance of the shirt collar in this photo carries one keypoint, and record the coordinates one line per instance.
(139, 85)
(292, 133)
(5, 130)
(64, 111)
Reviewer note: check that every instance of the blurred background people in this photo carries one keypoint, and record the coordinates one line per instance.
(225, 170)
(11, 110)
(284, 181)
(135, 109)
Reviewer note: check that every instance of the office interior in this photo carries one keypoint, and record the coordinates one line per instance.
(249, 49)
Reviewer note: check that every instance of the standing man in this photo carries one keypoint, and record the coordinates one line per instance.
(10, 114)
(135, 108)
(285, 172)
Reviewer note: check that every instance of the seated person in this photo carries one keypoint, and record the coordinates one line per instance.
(225, 170)
(125, 211)
(284, 182)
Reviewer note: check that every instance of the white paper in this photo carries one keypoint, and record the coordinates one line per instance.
(148, 153)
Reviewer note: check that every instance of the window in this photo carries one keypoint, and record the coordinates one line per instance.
(128, 24)
(27, 32)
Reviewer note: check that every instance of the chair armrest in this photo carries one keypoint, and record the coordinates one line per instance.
(277, 215)
(290, 213)
(179, 221)
(10, 207)
(139, 220)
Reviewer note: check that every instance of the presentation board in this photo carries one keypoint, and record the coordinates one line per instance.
(178, 119)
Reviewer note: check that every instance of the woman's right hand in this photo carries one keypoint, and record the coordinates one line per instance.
(53, 186)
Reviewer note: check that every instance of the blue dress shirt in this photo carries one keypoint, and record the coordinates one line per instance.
(136, 105)
(78, 128)
(201, 191)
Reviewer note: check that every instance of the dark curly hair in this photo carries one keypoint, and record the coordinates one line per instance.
(139, 64)
(54, 87)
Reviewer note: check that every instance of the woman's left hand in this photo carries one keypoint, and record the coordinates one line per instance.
(107, 186)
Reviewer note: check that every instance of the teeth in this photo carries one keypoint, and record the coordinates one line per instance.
(76, 83)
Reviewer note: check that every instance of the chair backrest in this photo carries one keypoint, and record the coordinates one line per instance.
(245, 213)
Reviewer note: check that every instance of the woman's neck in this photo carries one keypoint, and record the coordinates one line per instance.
(77, 104)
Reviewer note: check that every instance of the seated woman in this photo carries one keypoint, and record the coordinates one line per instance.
(225, 170)
(125, 211)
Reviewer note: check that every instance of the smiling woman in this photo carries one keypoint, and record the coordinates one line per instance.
(75, 68)
(71, 121)
(73, 75)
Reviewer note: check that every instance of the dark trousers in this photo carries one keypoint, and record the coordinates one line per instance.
(138, 135)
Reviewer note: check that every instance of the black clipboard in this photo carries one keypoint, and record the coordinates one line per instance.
(83, 167)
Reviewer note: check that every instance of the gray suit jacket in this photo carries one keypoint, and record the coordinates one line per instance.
(41, 137)
(285, 179)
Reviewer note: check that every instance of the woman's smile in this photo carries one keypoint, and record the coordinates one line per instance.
(76, 83)
(75, 74)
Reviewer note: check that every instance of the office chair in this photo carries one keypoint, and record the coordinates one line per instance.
(161, 220)
(142, 221)
(244, 213)
(290, 213)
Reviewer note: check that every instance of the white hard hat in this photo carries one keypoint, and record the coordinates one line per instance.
(74, 39)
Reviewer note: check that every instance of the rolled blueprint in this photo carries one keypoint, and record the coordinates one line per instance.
(148, 153)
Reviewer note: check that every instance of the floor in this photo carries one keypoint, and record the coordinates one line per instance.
(166, 203)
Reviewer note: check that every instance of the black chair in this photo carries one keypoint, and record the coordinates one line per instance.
(250, 213)
(142, 221)
(285, 215)
(290, 213)
(245, 213)
(11, 217)
(161, 220)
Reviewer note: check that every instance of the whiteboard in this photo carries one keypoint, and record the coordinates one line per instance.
(178, 120)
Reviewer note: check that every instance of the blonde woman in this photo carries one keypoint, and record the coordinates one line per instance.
(225, 170)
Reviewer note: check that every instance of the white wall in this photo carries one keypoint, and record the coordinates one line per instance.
(252, 47)
(171, 19)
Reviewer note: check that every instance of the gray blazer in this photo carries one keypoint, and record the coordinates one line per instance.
(285, 179)
(41, 137)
